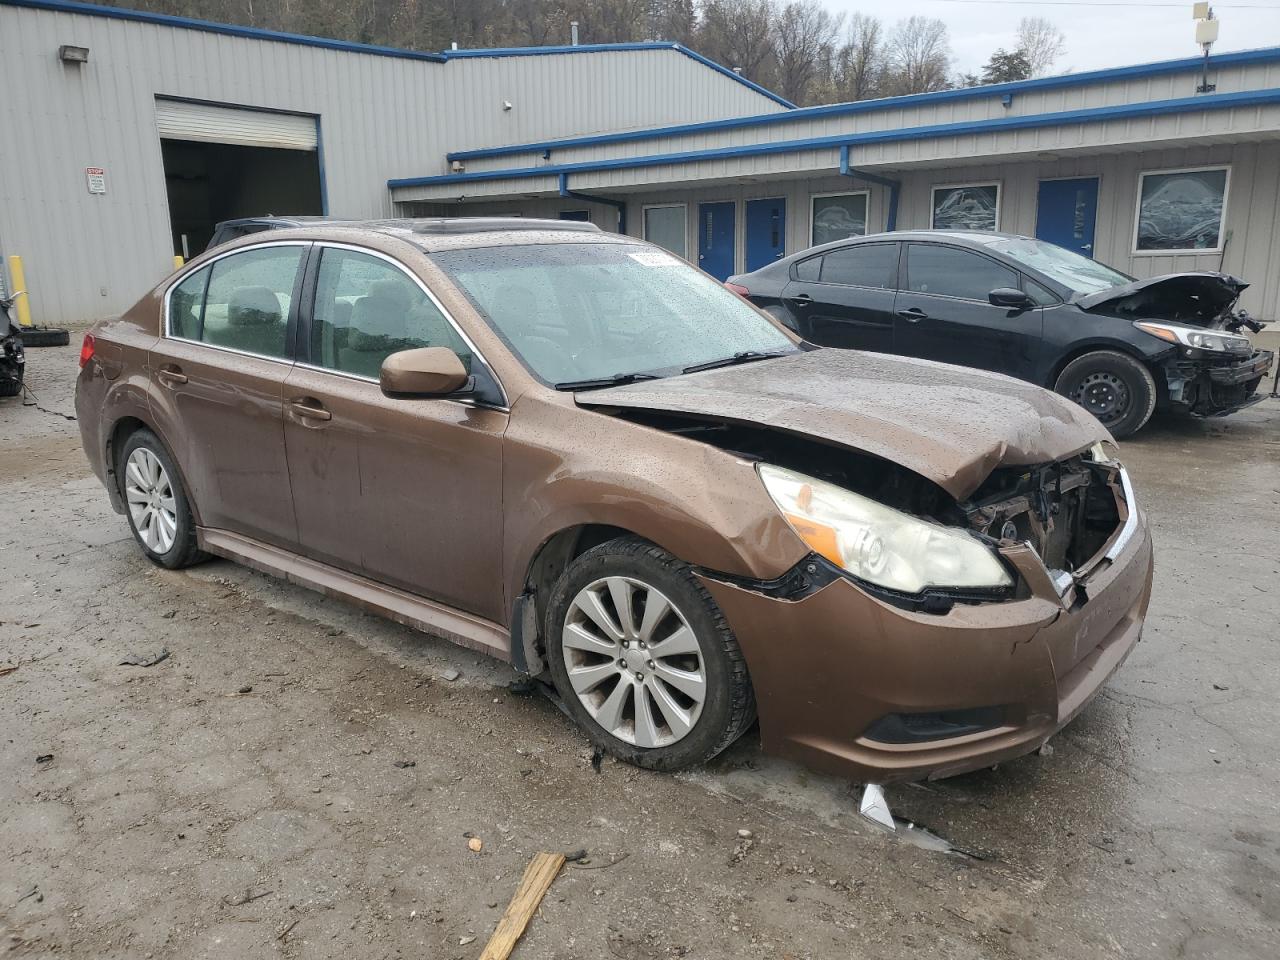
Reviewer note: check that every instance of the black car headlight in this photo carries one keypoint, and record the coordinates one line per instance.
(1211, 341)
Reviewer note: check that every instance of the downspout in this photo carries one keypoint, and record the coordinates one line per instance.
(619, 205)
(891, 221)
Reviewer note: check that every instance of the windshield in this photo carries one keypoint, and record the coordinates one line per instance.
(586, 311)
(1078, 273)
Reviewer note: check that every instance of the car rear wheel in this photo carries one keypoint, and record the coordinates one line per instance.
(155, 503)
(1113, 386)
(643, 659)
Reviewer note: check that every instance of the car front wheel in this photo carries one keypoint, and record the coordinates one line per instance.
(1114, 387)
(643, 658)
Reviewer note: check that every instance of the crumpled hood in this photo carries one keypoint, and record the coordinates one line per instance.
(951, 425)
(1195, 295)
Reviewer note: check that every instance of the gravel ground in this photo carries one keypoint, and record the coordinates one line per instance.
(297, 779)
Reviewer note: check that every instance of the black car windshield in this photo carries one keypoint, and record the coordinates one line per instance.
(1069, 269)
(576, 312)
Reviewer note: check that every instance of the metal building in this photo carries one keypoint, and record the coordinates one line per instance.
(1130, 165)
(129, 134)
(126, 132)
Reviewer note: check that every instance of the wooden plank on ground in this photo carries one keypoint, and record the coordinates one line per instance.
(533, 887)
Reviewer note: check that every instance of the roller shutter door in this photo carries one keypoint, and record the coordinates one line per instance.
(178, 120)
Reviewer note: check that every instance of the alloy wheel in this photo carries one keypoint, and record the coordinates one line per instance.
(634, 662)
(1103, 394)
(150, 496)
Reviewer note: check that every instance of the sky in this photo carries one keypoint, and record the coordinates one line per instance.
(1100, 33)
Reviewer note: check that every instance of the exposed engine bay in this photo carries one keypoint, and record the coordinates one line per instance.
(1067, 510)
(1198, 299)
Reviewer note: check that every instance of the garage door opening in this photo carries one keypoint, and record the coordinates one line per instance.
(221, 163)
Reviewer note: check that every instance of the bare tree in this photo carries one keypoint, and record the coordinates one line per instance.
(919, 53)
(804, 43)
(1041, 42)
(858, 67)
(673, 20)
(739, 35)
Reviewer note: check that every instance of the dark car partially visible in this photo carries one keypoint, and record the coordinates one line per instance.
(1119, 347)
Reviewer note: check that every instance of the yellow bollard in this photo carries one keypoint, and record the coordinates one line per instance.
(178, 261)
(19, 281)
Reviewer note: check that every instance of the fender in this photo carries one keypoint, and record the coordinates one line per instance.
(701, 504)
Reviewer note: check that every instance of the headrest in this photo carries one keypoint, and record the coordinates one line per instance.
(253, 306)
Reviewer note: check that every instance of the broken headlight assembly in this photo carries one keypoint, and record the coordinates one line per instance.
(1211, 341)
(878, 544)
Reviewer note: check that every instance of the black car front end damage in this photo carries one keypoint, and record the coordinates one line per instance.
(1211, 369)
(1215, 386)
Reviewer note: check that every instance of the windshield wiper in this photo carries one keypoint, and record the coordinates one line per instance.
(617, 380)
(742, 356)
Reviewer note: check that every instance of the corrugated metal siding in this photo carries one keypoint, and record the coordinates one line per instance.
(1232, 80)
(380, 117)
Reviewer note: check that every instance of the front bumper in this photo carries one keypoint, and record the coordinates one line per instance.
(1206, 387)
(827, 667)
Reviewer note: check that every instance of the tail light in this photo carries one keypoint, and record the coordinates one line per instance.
(738, 288)
(86, 349)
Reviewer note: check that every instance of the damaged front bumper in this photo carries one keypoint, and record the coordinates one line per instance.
(857, 687)
(1205, 385)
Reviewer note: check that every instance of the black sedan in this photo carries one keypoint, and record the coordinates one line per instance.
(1119, 347)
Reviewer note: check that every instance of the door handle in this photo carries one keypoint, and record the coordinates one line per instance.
(913, 315)
(309, 411)
(801, 301)
(171, 376)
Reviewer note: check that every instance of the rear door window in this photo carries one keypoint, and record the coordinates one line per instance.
(951, 272)
(367, 309)
(863, 265)
(240, 302)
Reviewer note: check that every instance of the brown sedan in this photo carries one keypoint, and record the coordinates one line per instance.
(576, 453)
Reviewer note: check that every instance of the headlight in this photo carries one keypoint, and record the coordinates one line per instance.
(877, 543)
(1210, 340)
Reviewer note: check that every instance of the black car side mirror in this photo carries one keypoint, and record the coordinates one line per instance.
(1009, 297)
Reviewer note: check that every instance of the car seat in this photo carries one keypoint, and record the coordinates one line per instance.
(255, 323)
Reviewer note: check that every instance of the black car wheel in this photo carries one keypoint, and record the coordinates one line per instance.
(1113, 386)
(643, 659)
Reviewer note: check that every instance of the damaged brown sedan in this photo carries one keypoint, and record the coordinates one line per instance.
(572, 451)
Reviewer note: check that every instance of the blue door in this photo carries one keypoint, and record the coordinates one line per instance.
(766, 232)
(717, 224)
(1067, 212)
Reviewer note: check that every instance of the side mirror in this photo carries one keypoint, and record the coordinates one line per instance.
(424, 372)
(1009, 297)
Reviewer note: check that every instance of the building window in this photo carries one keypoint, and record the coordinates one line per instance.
(966, 206)
(666, 226)
(1181, 210)
(837, 216)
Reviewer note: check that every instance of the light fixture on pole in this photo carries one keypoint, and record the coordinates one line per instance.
(1206, 34)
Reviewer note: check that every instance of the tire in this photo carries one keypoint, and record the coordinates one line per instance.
(684, 731)
(163, 525)
(1113, 386)
(42, 337)
(11, 386)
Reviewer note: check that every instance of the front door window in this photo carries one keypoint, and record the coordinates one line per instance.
(367, 309)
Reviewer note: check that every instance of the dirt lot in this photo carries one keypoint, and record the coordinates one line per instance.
(242, 798)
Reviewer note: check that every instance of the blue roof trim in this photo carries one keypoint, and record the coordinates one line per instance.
(255, 33)
(1155, 108)
(227, 29)
(1138, 71)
